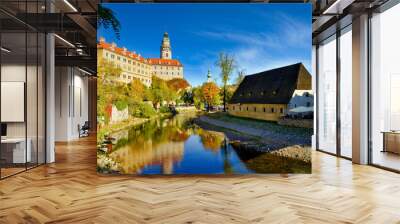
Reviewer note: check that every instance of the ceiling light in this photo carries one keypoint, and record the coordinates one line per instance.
(64, 40)
(337, 7)
(86, 72)
(5, 50)
(70, 5)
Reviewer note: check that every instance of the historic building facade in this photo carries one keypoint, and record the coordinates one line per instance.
(133, 65)
(268, 95)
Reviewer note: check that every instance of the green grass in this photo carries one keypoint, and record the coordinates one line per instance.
(264, 125)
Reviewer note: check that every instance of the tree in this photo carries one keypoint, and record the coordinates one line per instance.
(227, 64)
(137, 90)
(107, 88)
(198, 98)
(107, 72)
(177, 84)
(210, 93)
(240, 76)
(106, 18)
(187, 97)
(230, 89)
(160, 92)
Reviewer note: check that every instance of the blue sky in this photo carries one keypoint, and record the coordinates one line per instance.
(259, 36)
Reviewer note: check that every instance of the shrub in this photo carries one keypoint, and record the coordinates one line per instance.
(165, 109)
(143, 110)
(121, 104)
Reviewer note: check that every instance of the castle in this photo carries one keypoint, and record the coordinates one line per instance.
(133, 65)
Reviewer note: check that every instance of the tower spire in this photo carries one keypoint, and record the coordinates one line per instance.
(209, 76)
(165, 49)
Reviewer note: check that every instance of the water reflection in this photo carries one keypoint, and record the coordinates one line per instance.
(176, 146)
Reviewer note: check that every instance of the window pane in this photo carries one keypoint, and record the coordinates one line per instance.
(327, 96)
(385, 92)
(346, 94)
(31, 98)
(13, 86)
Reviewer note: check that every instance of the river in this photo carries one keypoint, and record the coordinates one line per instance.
(177, 146)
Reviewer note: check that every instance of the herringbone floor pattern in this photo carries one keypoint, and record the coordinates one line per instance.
(70, 191)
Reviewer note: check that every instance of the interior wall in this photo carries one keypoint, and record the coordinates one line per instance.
(14, 73)
(71, 102)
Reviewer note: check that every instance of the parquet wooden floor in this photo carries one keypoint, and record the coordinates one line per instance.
(70, 191)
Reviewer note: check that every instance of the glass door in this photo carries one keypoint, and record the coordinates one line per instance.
(22, 88)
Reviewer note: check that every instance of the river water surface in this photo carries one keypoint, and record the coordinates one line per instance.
(176, 146)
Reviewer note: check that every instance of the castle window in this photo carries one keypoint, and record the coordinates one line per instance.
(272, 110)
(264, 109)
(281, 110)
(308, 104)
(118, 58)
(233, 108)
(255, 109)
(247, 108)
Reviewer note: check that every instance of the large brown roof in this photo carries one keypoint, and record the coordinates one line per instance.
(274, 86)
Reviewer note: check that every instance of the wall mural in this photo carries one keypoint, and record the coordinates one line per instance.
(204, 89)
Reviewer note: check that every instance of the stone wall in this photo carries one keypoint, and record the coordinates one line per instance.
(117, 115)
(303, 123)
(182, 109)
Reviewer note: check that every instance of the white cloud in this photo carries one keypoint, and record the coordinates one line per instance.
(258, 51)
(255, 60)
(287, 32)
(259, 39)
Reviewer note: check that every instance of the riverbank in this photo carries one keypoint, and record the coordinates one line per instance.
(254, 137)
(131, 122)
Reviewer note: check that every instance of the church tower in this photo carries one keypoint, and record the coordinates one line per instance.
(209, 76)
(165, 50)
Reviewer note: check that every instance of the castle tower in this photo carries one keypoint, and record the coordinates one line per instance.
(165, 50)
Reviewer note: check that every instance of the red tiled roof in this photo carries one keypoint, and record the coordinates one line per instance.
(118, 50)
(126, 53)
(159, 61)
